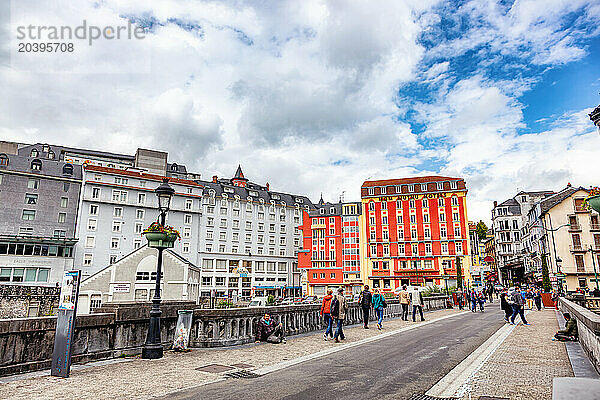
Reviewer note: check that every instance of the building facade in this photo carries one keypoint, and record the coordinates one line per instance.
(250, 238)
(40, 198)
(331, 256)
(415, 231)
(508, 220)
(567, 234)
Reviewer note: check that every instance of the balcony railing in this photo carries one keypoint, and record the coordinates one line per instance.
(577, 248)
(595, 227)
(574, 227)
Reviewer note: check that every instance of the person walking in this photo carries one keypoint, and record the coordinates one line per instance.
(459, 299)
(404, 299)
(416, 300)
(326, 314)
(365, 301)
(481, 300)
(518, 303)
(339, 306)
(537, 298)
(378, 305)
(490, 293)
(529, 298)
(473, 297)
(505, 306)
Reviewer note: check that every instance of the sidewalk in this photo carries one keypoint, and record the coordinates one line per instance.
(523, 366)
(143, 379)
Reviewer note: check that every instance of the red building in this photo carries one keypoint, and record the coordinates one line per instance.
(331, 248)
(415, 231)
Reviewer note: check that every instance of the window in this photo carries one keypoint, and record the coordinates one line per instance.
(427, 248)
(455, 216)
(444, 248)
(453, 184)
(33, 183)
(139, 214)
(457, 232)
(441, 202)
(141, 198)
(116, 227)
(118, 212)
(87, 259)
(186, 247)
(206, 280)
(59, 233)
(31, 198)
(119, 195)
(36, 165)
(371, 191)
(454, 200)
(413, 219)
(425, 218)
(112, 259)
(424, 203)
(188, 204)
(62, 217)
(114, 243)
(443, 232)
(187, 232)
(458, 246)
(383, 190)
(137, 244)
(411, 188)
(90, 241)
(67, 169)
(28, 215)
(440, 185)
(442, 217)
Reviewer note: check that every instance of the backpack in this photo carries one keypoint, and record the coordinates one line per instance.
(334, 307)
(383, 302)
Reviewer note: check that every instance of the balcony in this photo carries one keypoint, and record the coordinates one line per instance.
(574, 228)
(317, 226)
(577, 248)
(594, 227)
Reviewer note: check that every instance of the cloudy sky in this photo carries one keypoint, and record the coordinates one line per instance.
(318, 96)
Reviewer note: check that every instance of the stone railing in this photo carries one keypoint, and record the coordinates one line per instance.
(119, 329)
(215, 328)
(588, 327)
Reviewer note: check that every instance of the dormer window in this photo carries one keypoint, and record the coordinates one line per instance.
(173, 167)
(398, 189)
(411, 188)
(306, 207)
(253, 193)
(45, 148)
(67, 169)
(212, 192)
(298, 200)
(261, 201)
(440, 186)
(417, 188)
(36, 165)
(371, 191)
(229, 190)
(3, 159)
(276, 196)
(34, 153)
(383, 189)
(332, 210)
(453, 185)
(321, 210)
(51, 155)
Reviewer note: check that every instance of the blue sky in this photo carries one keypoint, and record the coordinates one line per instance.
(317, 96)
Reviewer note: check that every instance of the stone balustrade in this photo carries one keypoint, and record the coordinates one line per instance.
(118, 329)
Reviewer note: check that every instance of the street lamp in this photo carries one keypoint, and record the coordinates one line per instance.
(153, 347)
(559, 275)
(594, 264)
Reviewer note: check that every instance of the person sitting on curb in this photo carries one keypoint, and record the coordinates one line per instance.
(269, 330)
(569, 334)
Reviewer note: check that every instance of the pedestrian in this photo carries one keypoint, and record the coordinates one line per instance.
(417, 303)
(365, 304)
(459, 299)
(529, 298)
(537, 298)
(517, 306)
(505, 305)
(596, 292)
(378, 305)
(490, 293)
(404, 299)
(326, 314)
(338, 312)
(473, 297)
(481, 300)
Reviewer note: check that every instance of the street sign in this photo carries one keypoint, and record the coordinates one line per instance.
(121, 287)
(65, 324)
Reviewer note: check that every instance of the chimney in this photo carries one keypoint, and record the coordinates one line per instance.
(267, 186)
(568, 184)
(214, 179)
(495, 203)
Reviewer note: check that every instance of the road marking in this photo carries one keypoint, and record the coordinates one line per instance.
(322, 353)
(454, 384)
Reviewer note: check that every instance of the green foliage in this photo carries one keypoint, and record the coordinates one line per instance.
(389, 295)
(224, 304)
(270, 299)
(481, 230)
(545, 275)
(431, 290)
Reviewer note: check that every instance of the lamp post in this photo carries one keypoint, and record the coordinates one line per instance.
(594, 264)
(153, 347)
(559, 275)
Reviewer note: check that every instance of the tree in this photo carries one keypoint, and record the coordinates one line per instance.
(458, 274)
(481, 230)
(545, 275)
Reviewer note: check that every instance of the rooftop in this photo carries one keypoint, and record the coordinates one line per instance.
(416, 179)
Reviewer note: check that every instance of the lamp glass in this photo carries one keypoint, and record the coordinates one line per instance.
(164, 201)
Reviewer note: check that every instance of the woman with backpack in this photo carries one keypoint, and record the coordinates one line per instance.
(378, 305)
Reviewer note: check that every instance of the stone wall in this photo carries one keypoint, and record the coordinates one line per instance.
(588, 326)
(118, 329)
(17, 301)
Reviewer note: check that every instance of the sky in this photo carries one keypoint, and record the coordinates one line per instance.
(318, 96)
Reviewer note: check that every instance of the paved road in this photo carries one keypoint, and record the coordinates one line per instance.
(395, 367)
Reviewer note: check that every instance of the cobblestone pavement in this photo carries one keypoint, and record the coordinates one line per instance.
(523, 366)
(143, 379)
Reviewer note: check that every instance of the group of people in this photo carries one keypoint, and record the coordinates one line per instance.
(515, 300)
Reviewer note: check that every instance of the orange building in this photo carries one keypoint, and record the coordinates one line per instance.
(415, 232)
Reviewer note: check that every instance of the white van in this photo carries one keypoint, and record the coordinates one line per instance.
(258, 302)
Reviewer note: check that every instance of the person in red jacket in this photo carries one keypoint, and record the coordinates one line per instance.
(326, 314)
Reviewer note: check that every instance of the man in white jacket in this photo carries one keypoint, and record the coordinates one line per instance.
(417, 302)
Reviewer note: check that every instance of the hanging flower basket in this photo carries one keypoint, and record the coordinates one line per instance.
(593, 200)
(159, 236)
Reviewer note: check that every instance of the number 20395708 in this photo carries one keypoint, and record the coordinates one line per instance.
(56, 47)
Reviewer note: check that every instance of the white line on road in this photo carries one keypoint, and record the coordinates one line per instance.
(455, 382)
(322, 353)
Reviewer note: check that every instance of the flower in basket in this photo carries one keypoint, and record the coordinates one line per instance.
(158, 228)
(595, 191)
